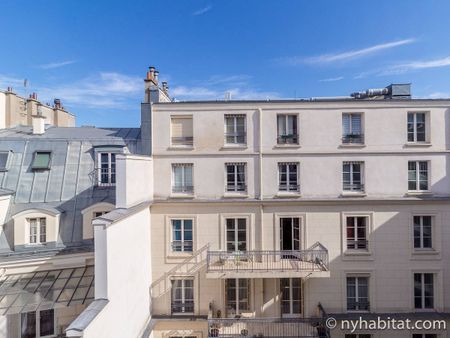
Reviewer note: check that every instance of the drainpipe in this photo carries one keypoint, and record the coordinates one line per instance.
(260, 155)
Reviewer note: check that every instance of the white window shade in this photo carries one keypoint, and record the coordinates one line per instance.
(182, 130)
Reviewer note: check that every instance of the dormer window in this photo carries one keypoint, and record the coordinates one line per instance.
(38, 230)
(41, 160)
(4, 161)
(106, 169)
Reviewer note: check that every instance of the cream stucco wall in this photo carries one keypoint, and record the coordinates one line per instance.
(88, 216)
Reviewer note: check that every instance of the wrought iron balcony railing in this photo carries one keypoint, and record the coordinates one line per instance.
(183, 189)
(235, 138)
(362, 305)
(353, 187)
(183, 141)
(267, 260)
(360, 244)
(267, 327)
(353, 139)
(106, 177)
(287, 139)
(179, 307)
(239, 187)
(289, 187)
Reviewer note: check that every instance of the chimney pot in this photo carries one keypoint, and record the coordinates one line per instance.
(10, 89)
(155, 76)
(57, 103)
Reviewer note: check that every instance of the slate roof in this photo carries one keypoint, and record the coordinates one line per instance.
(69, 185)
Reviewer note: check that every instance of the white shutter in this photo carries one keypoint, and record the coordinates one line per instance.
(182, 127)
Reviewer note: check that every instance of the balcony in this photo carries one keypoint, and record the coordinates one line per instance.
(357, 139)
(267, 264)
(266, 327)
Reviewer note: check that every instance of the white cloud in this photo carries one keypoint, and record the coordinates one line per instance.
(202, 11)
(53, 65)
(8, 81)
(438, 95)
(332, 79)
(349, 55)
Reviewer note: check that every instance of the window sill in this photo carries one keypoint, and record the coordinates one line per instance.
(182, 196)
(352, 145)
(353, 194)
(284, 194)
(417, 144)
(235, 195)
(178, 255)
(356, 252)
(181, 147)
(419, 193)
(234, 146)
(425, 252)
(287, 146)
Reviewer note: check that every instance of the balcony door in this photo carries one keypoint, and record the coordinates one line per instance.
(236, 234)
(237, 296)
(291, 297)
(289, 233)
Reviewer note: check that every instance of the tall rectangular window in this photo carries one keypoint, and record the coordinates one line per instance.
(353, 176)
(106, 169)
(357, 233)
(46, 323)
(358, 293)
(183, 295)
(37, 324)
(182, 181)
(288, 177)
(417, 175)
(182, 239)
(235, 177)
(417, 127)
(235, 129)
(287, 129)
(38, 230)
(423, 291)
(352, 128)
(236, 234)
(423, 232)
(182, 133)
(237, 296)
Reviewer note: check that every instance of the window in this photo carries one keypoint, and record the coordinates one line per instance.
(182, 178)
(183, 295)
(4, 161)
(423, 232)
(291, 296)
(417, 175)
(357, 336)
(96, 214)
(37, 324)
(235, 129)
(182, 235)
(287, 129)
(423, 291)
(357, 233)
(235, 177)
(358, 293)
(236, 234)
(352, 176)
(352, 128)
(288, 177)
(41, 160)
(416, 127)
(426, 335)
(106, 169)
(38, 230)
(237, 296)
(182, 131)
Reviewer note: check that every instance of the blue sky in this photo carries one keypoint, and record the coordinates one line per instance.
(93, 55)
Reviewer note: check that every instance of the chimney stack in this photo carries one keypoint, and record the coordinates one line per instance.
(38, 124)
(33, 96)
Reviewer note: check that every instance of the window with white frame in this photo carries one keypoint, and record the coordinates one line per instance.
(182, 238)
(182, 181)
(356, 227)
(288, 177)
(291, 296)
(235, 129)
(37, 324)
(418, 175)
(38, 230)
(357, 293)
(353, 176)
(352, 128)
(182, 295)
(423, 291)
(424, 335)
(182, 132)
(106, 169)
(235, 177)
(417, 127)
(423, 232)
(287, 129)
(236, 236)
(237, 296)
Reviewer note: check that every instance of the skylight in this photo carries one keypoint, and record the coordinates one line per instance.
(41, 160)
(4, 161)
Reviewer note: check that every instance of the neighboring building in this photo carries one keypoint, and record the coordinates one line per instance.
(260, 218)
(16, 110)
(52, 186)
